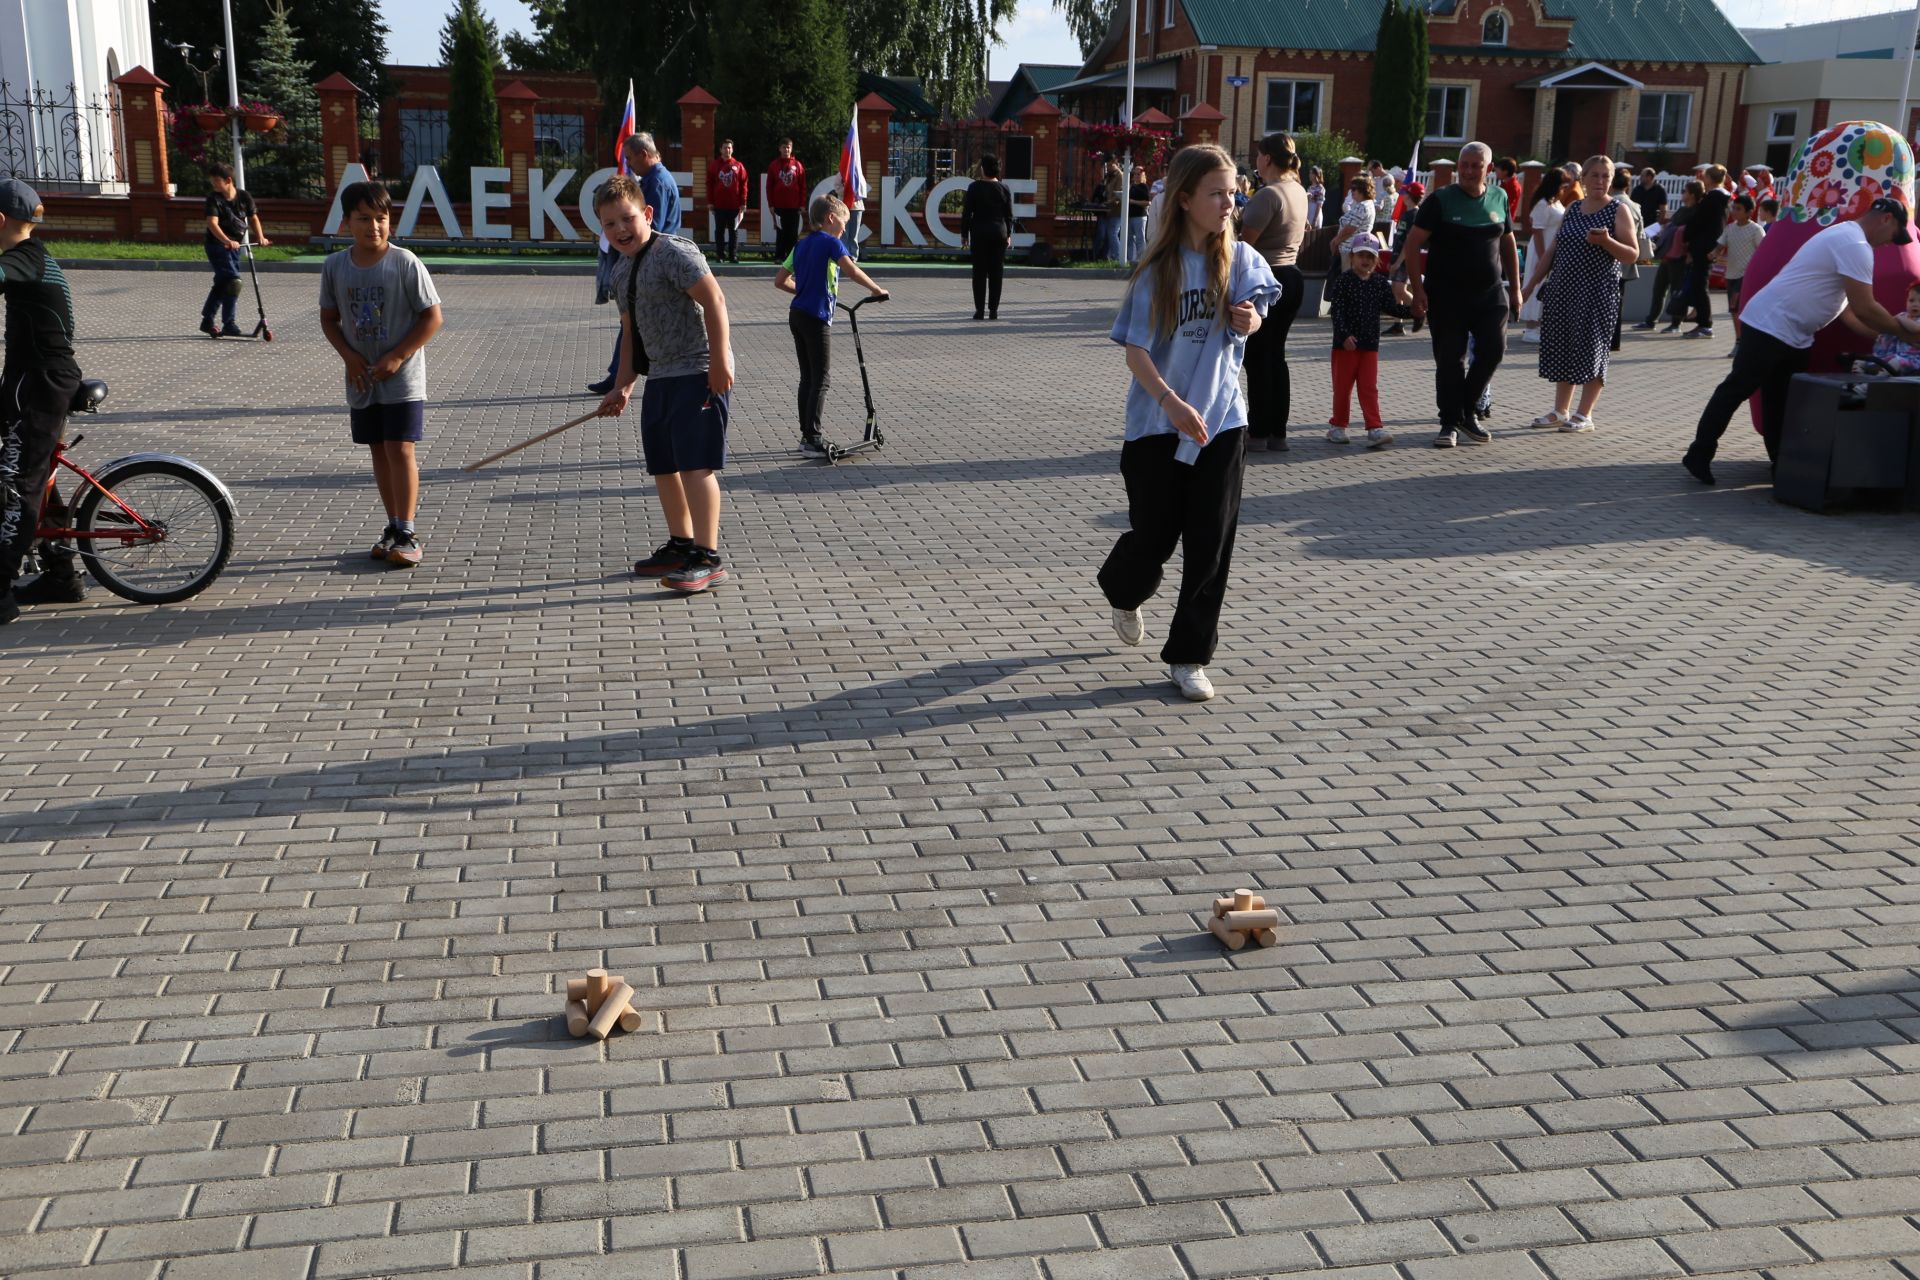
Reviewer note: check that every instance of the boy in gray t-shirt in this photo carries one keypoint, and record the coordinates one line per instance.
(671, 308)
(378, 308)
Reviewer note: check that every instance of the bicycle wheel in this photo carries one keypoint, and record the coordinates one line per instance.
(194, 518)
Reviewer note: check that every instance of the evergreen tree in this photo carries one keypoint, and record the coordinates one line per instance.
(348, 36)
(286, 162)
(473, 115)
(448, 46)
(1417, 58)
(796, 75)
(1387, 138)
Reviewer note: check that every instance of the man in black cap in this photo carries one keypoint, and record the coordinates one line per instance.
(37, 386)
(1830, 278)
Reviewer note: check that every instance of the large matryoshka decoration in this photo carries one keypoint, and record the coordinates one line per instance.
(1834, 176)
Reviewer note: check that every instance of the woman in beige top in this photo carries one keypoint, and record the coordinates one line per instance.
(1274, 223)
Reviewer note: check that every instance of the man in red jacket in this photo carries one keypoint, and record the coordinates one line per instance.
(727, 194)
(787, 194)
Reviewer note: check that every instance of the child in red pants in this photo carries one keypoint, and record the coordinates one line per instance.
(1358, 297)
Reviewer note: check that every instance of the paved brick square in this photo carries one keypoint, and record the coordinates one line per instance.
(1591, 800)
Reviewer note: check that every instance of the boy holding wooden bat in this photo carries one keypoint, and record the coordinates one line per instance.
(670, 301)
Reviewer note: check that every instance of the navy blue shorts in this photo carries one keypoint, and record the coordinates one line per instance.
(377, 423)
(683, 425)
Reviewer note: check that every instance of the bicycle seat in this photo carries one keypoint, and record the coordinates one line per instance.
(92, 391)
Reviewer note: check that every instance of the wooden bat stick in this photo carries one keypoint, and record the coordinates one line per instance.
(565, 426)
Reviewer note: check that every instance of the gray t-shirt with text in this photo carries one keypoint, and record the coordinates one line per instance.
(672, 327)
(378, 306)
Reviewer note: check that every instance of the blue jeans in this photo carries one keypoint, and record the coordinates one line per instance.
(1136, 238)
(223, 297)
(852, 237)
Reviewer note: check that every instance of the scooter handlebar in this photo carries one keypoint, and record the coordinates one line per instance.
(872, 297)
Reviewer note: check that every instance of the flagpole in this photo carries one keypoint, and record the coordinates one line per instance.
(1906, 81)
(1126, 169)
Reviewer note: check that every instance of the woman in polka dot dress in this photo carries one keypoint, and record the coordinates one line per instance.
(1579, 290)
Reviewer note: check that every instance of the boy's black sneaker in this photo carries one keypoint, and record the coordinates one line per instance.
(9, 610)
(384, 547)
(813, 446)
(1446, 439)
(206, 327)
(1475, 433)
(702, 571)
(667, 557)
(1645, 324)
(59, 585)
(601, 387)
(232, 331)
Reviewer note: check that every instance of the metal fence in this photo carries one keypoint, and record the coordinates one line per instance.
(559, 134)
(54, 141)
(908, 155)
(423, 138)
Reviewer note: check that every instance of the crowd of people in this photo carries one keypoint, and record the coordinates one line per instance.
(1215, 295)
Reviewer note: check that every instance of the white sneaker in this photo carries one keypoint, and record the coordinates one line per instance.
(1129, 626)
(1551, 418)
(1578, 422)
(1337, 435)
(1378, 436)
(1193, 682)
(1531, 335)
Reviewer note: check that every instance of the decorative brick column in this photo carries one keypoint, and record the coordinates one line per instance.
(516, 103)
(1443, 174)
(143, 106)
(874, 118)
(1200, 126)
(699, 140)
(339, 127)
(1040, 120)
(1350, 167)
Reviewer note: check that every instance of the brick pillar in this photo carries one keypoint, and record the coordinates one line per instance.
(699, 141)
(875, 115)
(516, 103)
(339, 127)
(1040, 120)
(1350, 169)
(1201, 125)
(143, 105)
(1443, 174)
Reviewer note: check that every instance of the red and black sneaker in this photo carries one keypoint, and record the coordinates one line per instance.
(670, 555)
(702, 571)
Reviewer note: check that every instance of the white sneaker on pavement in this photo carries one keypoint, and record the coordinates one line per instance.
(1193, 682)
(1337, 435)
(1378, 436)
(1129, 626)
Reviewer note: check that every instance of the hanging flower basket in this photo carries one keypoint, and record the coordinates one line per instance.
(260, 121)
(209, 118)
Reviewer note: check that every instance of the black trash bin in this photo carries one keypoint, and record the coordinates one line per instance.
(1850, 439)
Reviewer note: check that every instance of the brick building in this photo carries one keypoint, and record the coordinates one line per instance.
(413, 119)
(1541, 79)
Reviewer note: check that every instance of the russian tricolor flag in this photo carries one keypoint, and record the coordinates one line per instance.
(853, 177)
(626, 131)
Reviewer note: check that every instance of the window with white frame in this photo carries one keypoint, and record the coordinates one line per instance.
(1446, 113)
(1493, 30)
(1293, 106)
(1664, 120)
(1783, 126)
(1166, 19)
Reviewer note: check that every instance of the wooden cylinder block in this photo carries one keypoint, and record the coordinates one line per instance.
(598, 984)
(630, 1020)
(1223, 905)
(1266, 937)
(609, 1011)
(1232, 937)
(1251, 919)
(577, 1017)
(576, 989)
(1243, 899)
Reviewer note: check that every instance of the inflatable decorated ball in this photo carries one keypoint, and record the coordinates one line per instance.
(1844, 168)
(1834, 176)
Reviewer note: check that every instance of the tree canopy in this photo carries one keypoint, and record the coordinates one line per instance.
(793, 78)
(286, 162)
(473, 114)
(1087, 21)
(348, 36)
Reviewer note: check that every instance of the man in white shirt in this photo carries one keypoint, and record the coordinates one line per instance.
(1831, 277)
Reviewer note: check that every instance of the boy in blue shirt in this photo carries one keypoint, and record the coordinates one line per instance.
(811, 274)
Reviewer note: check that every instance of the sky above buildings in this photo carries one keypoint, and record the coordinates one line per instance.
(1037, 33)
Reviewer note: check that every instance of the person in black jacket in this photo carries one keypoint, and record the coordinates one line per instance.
(986, 222)
(1702, 234)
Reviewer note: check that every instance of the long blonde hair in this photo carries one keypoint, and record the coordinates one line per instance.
(1161, 261)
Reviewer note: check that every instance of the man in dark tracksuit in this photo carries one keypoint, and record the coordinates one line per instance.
(37, 386)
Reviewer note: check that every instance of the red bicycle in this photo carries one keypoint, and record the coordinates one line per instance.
(150, 527)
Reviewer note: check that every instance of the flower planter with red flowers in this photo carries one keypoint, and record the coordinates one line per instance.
(260, 121)
(209, 118)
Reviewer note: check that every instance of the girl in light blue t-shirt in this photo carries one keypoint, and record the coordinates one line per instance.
(1184, 321)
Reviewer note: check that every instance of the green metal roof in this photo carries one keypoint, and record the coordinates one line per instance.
(1603, 30)
(1031, 80)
